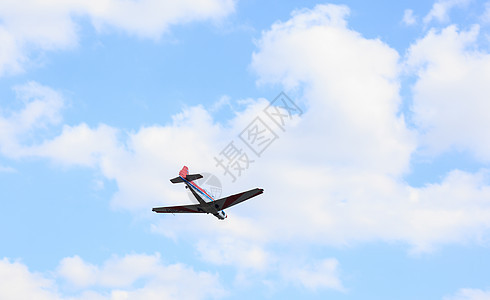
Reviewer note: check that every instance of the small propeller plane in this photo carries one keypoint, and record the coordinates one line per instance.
(206, 203)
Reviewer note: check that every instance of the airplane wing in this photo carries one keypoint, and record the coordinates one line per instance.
(226, 202)
(193, 208)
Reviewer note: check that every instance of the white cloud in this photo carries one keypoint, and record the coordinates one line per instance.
(191, 139)
(7, 169)
(351, 89)
(408, 17)
(34, 25)
(223, 101)
(41, 108)
(151, 18)
(470, 294)
(351, 142)
(17, 282)
(485, 17)
(77, 272)
(440, 10)
(135, 276)
(449, 102)
(119, 272)
(234, 252)
(79, 145)
(350, 86)
(321, 274)
(11, 57)
(130, 161)
(454, 211)
(333, 178)
(159, 281)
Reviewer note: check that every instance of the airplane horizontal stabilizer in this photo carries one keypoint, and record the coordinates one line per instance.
(177, 180)
(192, 177)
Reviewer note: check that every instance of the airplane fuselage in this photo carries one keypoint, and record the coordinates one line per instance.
(205, 200)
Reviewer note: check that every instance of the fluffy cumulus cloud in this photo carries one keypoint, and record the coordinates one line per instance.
(351, 140)
(470, 294)
(359, 145)
(35, 25)
(486, 14)
(79, 145)
(17, 282)
(151, 18)
(40, 108)
(440, 10)
(449, 102)
(130, 158)
(454, 211)
(135, 276)
(351, 89)
(322, 274)
(120, 275)
(227, 251)
(408, 17)
(334, 176)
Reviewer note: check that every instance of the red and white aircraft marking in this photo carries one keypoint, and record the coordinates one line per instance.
(206, 203)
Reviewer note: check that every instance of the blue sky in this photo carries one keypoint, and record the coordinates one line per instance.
(378, 189)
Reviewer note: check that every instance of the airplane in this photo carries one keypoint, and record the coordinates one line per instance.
(206, 204)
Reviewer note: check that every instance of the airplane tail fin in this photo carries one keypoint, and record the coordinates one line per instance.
(184, 173)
